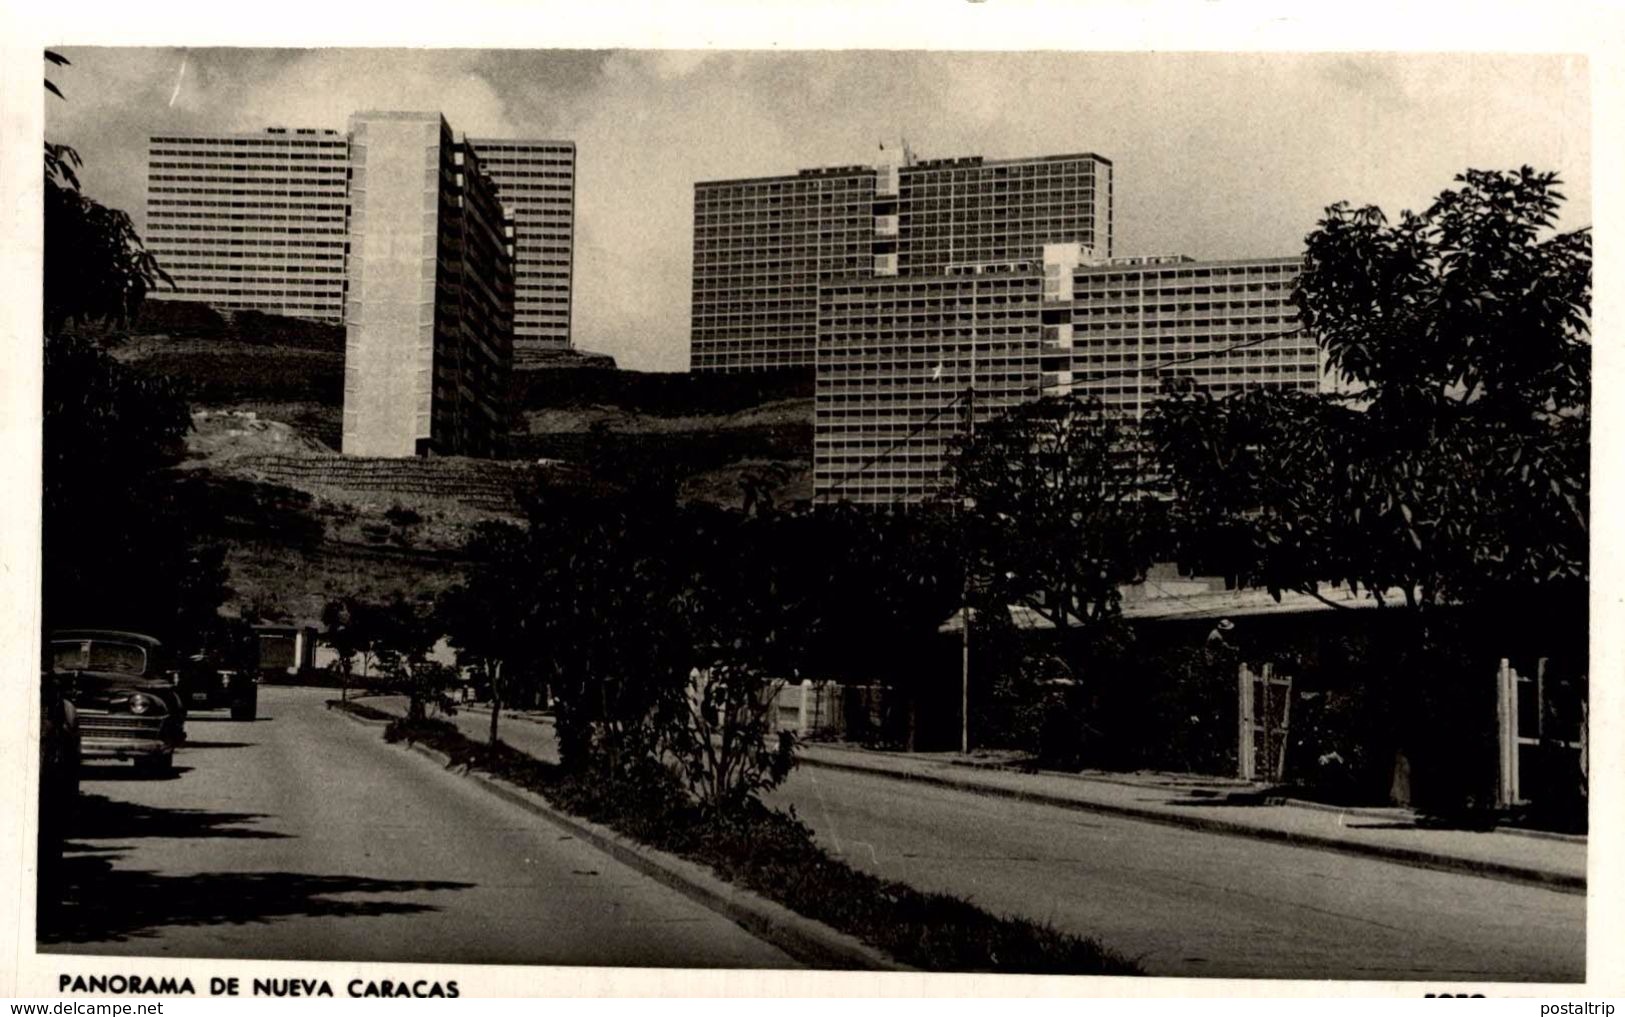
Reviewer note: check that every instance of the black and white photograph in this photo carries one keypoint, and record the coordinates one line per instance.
(1025, 512)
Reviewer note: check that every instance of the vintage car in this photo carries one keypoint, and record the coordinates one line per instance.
(206, 685)
(126, 708)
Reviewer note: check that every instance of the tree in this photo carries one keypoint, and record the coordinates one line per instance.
(491, 619)
(341, 632)
(1455, 469)
(1450, 476)
(403, 639)
(1051, 499)
(96, 267)
(116, 544)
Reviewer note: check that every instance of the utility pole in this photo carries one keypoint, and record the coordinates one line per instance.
(965, 609)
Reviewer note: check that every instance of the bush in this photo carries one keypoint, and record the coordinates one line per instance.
(402, 516)
(720, 744)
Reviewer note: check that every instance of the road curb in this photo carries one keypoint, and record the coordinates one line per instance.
(812, 942)
(1509, 831)
(1402, 856)
(368, 721)
(1285, 800)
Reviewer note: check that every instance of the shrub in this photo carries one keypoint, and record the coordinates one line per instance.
(720, 743)
(402, 516)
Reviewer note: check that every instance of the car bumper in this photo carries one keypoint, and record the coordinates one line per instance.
(111, 736)
(123, 748)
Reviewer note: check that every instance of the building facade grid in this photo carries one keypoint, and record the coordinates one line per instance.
(762, 246)
(897, 360)
(894, 355)
(536, 180)
(251, 221)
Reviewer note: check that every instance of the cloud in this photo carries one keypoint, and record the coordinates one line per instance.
(323, 87)
(1216, 155)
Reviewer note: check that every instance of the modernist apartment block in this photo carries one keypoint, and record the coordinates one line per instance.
(251, 221)
(896, 361)
(900, 354)
(537, 183)
(428, 343)
(762, 246)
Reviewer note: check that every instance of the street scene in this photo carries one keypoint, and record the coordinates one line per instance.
(255, 855)
(760, 510)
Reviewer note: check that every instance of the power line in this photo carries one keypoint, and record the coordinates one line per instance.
(1189, 359)
(864, 468)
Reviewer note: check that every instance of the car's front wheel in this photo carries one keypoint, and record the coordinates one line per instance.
(156, 765)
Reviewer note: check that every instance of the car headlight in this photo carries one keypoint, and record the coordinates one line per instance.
(140, 704)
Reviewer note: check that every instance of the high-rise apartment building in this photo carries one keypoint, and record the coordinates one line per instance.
(537, 184)
(896, 358)
(762, 246)
(251, 221)
(428, 343)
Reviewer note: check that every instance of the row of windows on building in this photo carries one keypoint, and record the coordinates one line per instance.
(261, 243)
(268, 216)
(249, 291)
(811, 259)
(318, 172)
(747, 191)
(237, 160)
(278, 191)
(270, 142)
(711, 207)
(261, 254)
(214, 228)
(236, 268)
(332, 185)
(222, 202)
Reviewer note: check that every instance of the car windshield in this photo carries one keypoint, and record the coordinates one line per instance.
(98, 655)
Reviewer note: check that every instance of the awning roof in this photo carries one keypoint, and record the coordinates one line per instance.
(1199, 606)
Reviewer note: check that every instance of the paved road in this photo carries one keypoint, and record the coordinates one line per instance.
(304, 836)
(1185, 902)
(1190, 903)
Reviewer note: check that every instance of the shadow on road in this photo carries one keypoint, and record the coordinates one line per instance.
(104, 818)
(92, 900)
(93, 773)
(190, 744)
(104, 904)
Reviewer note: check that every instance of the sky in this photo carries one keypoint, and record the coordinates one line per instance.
(1215, 155)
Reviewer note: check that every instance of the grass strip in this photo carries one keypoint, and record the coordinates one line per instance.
(773, 854)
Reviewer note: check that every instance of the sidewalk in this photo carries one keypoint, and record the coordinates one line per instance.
(1216, 804)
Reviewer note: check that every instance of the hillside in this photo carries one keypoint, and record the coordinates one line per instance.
(303, 524)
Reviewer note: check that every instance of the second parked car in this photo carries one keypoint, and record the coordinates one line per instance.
(205, 685)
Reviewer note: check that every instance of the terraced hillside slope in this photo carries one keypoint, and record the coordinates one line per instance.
(302, 524)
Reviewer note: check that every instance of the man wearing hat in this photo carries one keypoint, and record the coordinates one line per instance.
(1219, 638)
